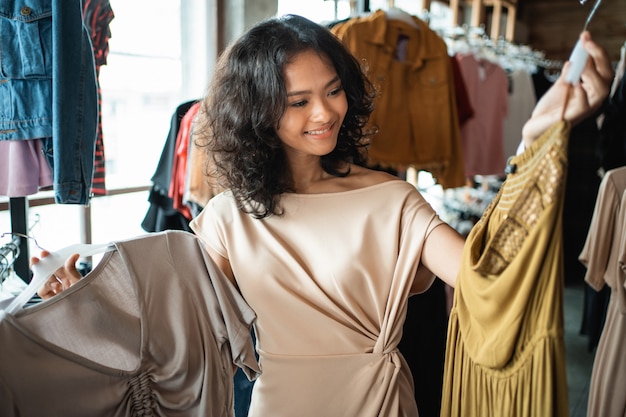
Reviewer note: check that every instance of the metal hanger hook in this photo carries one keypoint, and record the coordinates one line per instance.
(22, 235)
(591, 13)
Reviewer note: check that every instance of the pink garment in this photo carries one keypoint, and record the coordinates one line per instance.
(24, 169)
(482, 135)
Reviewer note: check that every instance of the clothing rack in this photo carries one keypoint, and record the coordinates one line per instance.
(509, 55)
(18, 206)
(9, 252)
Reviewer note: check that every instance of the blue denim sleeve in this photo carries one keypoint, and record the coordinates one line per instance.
(48, 88)
(75, 104)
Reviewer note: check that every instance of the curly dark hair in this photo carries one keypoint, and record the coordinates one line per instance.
(247, 99)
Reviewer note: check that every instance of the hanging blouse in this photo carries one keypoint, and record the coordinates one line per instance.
(482, 135)
(416, 112)
(179, 164)
(97, 15)
(505, 351)
(521, 103)
(153, 330)
(604, 255)
(24, 169)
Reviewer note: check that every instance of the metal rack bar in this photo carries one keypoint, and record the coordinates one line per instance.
(18, 207)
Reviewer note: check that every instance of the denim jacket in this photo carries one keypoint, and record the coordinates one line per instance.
(48, 88)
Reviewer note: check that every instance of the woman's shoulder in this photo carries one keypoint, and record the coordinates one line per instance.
(220, 205)
(368, 176)
(362, 177)
(357, 179)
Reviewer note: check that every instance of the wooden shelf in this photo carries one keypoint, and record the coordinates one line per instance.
(479, 16)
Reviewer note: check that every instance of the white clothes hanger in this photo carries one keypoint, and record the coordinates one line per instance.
(47, 266)
(579, 55)
(395, 13)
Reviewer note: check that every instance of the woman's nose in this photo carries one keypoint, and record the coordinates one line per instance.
(321, 110)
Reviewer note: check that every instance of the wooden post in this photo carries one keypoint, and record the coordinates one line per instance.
(477, 13)
(510, 21)
(455, 8)
(495, 19)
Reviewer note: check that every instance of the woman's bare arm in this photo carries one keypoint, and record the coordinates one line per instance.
(442, 253)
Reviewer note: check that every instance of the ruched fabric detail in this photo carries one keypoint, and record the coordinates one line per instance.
(142, 398)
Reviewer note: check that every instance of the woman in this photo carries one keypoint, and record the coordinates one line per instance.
(325, 250)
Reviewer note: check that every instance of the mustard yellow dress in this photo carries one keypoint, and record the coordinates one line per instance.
(505, 351)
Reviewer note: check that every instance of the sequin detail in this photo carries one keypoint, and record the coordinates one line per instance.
(533, 189)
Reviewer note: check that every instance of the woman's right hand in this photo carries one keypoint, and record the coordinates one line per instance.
(62, 279)
(585, 98)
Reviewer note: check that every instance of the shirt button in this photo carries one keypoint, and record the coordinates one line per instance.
(25, 11)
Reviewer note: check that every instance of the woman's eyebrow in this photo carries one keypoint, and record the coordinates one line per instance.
(297, 93)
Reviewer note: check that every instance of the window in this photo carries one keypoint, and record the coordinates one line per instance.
(141, 88)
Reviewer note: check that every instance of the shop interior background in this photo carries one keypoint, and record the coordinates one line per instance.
(154, 65)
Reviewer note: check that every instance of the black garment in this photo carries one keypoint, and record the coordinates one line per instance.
(611, 154)
(612, 144)
(161, 214)
(423, 345)
(581, 190)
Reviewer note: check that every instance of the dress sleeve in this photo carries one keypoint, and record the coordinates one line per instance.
(419, 219)
(595, 253)
(209, 226)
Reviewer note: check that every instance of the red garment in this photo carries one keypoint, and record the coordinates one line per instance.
(179, 167)
(97, 15)
(482, 135)
(465, 111)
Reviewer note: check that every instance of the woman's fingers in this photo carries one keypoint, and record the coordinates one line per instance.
(588, 95)
(62, 279)
(35, 260)
(600, 62)
(598, 74)
(68, 274)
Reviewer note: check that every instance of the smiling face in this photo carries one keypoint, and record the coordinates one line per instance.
(316, 106)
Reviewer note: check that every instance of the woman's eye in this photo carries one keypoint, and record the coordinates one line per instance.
(336, 91)
(298, 103)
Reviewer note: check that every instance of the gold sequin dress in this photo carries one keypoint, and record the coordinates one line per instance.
(505, 353)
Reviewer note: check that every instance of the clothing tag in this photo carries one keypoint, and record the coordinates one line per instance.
(401, 47)
(482, 74)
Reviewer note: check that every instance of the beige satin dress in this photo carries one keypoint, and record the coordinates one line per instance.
(329, 282)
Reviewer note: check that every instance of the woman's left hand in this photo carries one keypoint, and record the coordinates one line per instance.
(584, 98)
(62, 279)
